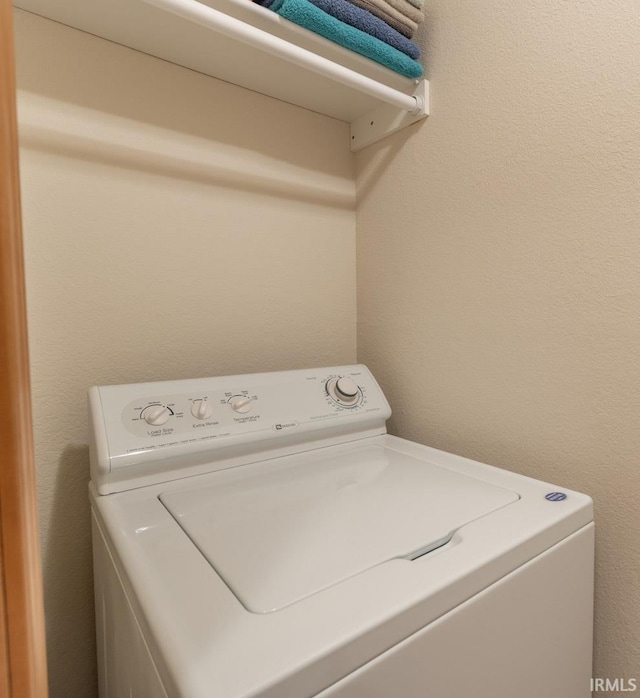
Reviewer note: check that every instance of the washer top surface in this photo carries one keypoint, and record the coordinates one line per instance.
(305, 523)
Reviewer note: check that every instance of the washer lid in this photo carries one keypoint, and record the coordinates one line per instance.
(283, 530)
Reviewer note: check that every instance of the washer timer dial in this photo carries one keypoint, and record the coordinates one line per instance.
(344, 391)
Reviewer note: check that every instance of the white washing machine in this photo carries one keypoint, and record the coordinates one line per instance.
(263, 536)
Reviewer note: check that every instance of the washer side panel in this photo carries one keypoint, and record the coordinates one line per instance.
(125, 667)
(528, 635)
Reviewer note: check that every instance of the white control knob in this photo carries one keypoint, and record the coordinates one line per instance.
(201, 409)
(347, 389)
(344, 391)
(157, 415)
(240, 403)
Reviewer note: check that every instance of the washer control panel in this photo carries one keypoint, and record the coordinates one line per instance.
(188, 413)
(138, 424)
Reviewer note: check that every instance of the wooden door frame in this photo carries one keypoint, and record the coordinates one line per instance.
(23, 672)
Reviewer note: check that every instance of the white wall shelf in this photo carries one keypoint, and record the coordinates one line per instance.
(248, 45)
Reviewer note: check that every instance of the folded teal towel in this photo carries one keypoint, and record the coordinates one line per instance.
(303, 13)
(348, 13)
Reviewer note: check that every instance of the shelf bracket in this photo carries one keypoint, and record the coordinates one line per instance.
(386, 119)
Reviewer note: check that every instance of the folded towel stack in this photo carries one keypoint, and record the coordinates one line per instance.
(378, 29)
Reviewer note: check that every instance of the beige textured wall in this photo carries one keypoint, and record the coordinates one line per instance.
(175, 226)
(499, 265)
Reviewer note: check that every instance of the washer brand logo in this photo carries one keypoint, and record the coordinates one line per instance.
(614, 685)
(555, 496)
(289, 425)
